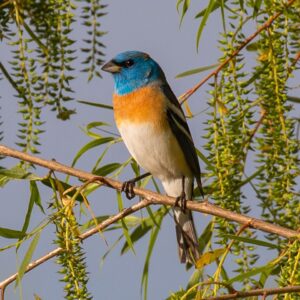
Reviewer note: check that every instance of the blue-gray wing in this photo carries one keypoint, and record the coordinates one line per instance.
(182, 133)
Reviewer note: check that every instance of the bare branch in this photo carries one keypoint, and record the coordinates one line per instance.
(215, 72)
(258, 292)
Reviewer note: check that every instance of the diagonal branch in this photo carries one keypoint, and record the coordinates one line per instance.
(149, 198)
(100, 227)
(215, 72)
(152, 197)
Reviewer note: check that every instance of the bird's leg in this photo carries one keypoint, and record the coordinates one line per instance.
(128, 186)
(181, 200)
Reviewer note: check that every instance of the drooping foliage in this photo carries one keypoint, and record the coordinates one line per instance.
(41, 68)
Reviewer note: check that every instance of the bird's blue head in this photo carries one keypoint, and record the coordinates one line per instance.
(132, 70)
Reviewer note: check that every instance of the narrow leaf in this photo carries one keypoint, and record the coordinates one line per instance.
(205, 236)
(34, 194)
(293, 99)
(255, 75)
(96, 104)
(194, 279)
(204, 159)
(253, 272)
(107, 169)
(15, 173)
(61, 186)
(185, 6)
(196, 71)
(256, 8)
(203, 22)
(152, 240)
(146, 225)
(251, 241)
(90, 145)
(11, 233)
(27, 258)
(124, 227)
(217, 4)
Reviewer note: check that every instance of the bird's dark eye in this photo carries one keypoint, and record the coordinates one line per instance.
(128, 63)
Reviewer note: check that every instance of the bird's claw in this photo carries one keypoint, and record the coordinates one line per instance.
(127, 188)
(181, 201)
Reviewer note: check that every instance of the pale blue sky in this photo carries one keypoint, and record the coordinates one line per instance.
(153, 27)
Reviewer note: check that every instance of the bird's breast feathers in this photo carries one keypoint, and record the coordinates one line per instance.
(146, 104)
(141, 119)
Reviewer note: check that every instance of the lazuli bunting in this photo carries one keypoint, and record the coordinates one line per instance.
(154, 129)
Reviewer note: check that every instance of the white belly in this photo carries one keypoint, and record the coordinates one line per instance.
(157, 153)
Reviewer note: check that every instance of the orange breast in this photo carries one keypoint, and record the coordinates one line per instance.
(147, 104)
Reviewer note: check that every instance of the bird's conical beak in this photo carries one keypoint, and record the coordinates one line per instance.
(111, 67)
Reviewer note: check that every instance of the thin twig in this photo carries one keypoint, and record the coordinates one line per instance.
(258, 292)
(267, 24)
(87, 234)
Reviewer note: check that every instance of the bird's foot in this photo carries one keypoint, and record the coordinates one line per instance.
(181, 201)
(127, 188)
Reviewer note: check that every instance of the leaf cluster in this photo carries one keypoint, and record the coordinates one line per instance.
(44, 57)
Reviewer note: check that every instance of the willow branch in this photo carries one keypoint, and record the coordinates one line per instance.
(111, 220)
(152, 197)
(149, 198)
(258, 292)
(267, 24)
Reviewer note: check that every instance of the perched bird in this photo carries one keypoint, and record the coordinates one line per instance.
(154, 129)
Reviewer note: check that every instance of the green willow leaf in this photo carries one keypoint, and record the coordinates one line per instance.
(203, 22)
(255, 76)
(65, 186)
(293, 99)
(266, 274)
(91, 223)
(34, 194)
(251, 177)
(253, 46)
(11, 233)
(196, 71)
(96, 104)
(184, 9)
(217, 4)
(96, 124)
(256, 7)
(251, 241)
(90, 145)
(146, 225)
(145, 275)
(204, 159)
(253, 272)
(107, 169)
(27, 258)
(124, 226)
(206, 235)
(16, 173)
(195, 278)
